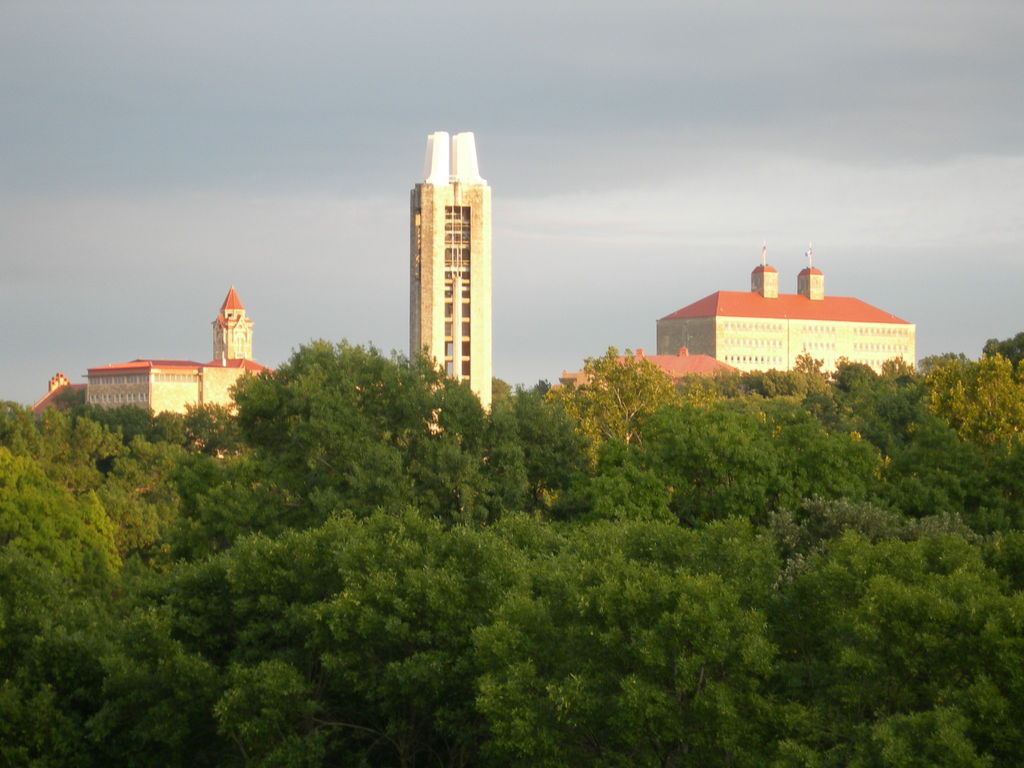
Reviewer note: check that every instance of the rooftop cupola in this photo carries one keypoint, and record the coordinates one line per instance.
(764, 280)
(811, 281)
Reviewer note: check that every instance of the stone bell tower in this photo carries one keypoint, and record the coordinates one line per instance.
(450, 265)
(232, 330)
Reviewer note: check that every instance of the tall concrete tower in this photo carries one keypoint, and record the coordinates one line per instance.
(450, 265)
(232, 330)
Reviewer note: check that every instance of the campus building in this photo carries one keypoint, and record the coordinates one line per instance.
(678, 366)
(173, 385)
(450, 264)
(763, 329)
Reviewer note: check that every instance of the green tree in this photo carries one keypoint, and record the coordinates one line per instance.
(901, 650)
(212, 429)
(51, 640)
(929, 363)
(621, 487)
(348, 643)
(620, 394)
(716, 462)
(72, 451)
(608, 656)
(157, 698)
(44, 521)
(141, 498)
(554, 455)
(343, 427)
(221, 500)
(982, 401)
(1012, 349)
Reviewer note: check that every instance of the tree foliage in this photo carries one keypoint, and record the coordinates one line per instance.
(1012, 349)
(983, 401)
(619, 395)
(360, 566)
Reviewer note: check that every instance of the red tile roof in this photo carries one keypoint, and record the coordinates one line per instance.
(136, 365)
(788, 306)
(250, 365)
(147, 365)
(676, 366)
(683, 364)
(52, 399)
(231, 301)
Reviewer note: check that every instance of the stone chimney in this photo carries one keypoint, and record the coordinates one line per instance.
(59, 380)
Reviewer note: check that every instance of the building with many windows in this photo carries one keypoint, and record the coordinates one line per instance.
(763, 329)
(173, 385)
(450, 264)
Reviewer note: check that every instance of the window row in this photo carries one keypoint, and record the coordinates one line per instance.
(875, 330)
(752, 326)
(130, 379)
(752, 342)
(750, 359)
(119, 397)
(901, 348)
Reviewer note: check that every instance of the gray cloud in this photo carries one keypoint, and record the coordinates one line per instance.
(156, 152)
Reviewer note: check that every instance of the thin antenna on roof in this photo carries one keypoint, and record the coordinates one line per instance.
(764, 253)
(810, 256)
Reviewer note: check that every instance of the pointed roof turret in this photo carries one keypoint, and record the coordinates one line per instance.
(231, 301)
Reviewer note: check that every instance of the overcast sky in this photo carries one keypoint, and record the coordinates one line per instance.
(152, 154)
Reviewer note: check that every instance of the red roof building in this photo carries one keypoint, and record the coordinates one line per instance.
(762, 329)
(675, 366)
(173, 385)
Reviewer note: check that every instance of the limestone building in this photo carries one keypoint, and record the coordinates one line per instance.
(173, 385)
(450, 264)
(763, 329)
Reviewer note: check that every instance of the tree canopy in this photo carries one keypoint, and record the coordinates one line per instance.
(358, 565)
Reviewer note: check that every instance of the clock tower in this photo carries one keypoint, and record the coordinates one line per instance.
(232, 330)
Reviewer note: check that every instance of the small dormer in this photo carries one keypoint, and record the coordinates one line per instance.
(811, 283)
(764, 281)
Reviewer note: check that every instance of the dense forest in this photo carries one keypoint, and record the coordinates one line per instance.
(358, 566)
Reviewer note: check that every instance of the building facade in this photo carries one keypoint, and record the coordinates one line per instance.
(763, 329)
(174, 385)
(450, 264)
